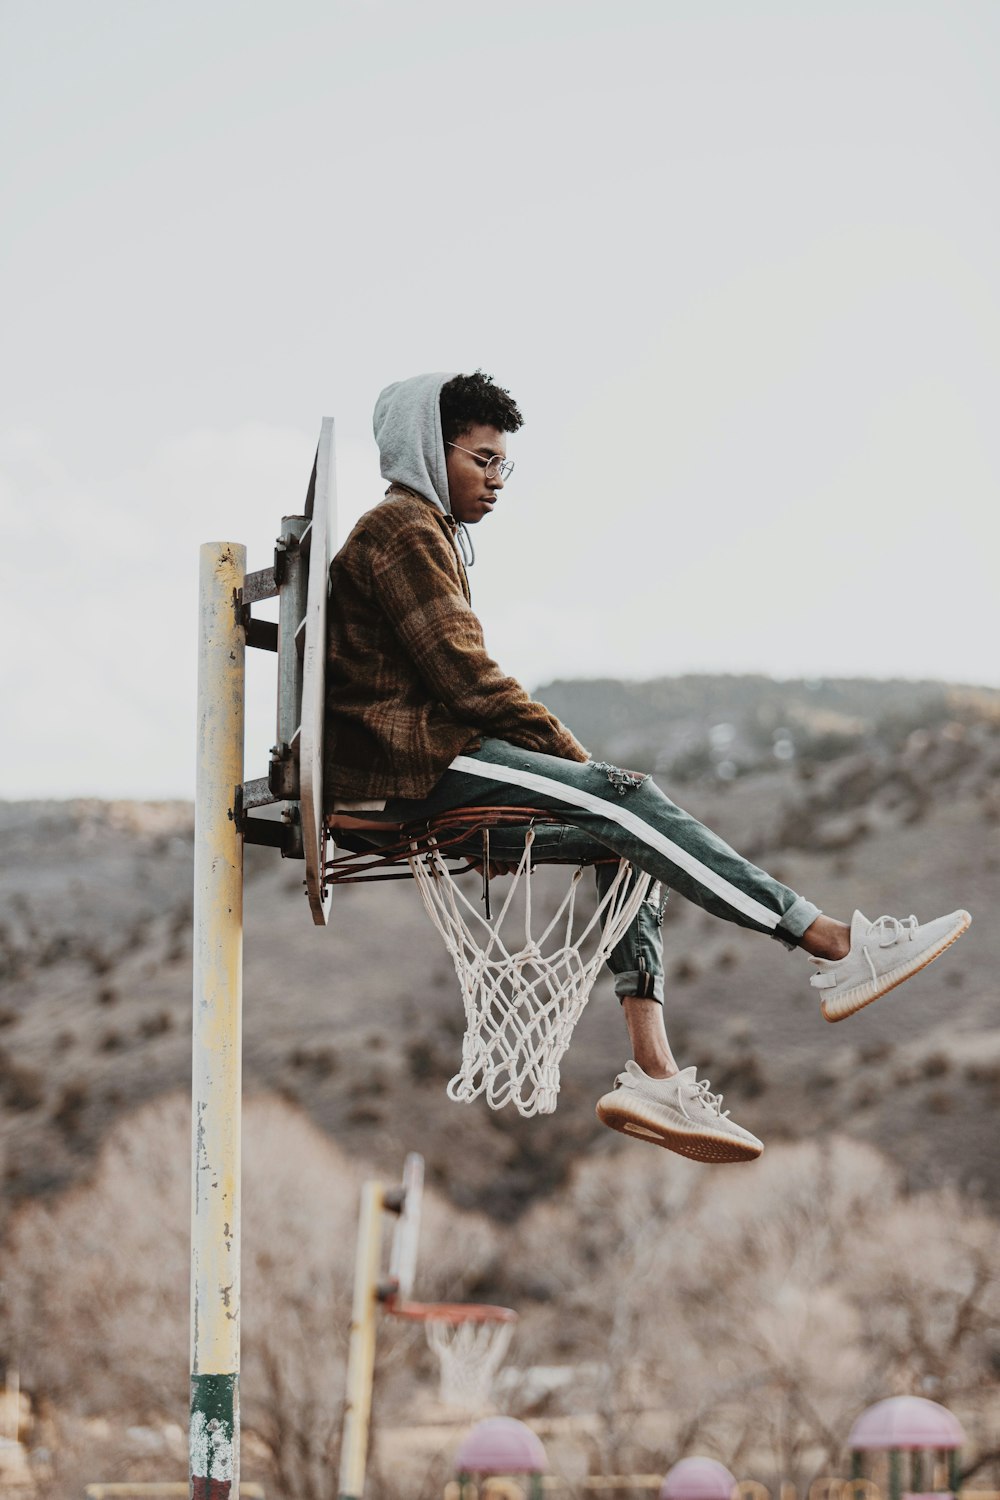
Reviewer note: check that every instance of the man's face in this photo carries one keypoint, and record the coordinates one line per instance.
(473, 495)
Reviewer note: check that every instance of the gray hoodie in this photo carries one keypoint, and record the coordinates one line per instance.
(407, 425)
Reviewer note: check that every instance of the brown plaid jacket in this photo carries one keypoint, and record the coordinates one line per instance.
(409, 682)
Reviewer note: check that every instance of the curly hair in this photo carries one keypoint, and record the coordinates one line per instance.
(470, 399)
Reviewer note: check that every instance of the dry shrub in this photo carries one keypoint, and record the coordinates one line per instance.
(95, 1307)
(762, 1307)
(21, 1087)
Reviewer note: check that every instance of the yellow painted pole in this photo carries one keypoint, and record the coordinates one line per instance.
(217, 1031)
(361, 1352)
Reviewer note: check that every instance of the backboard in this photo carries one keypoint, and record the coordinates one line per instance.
(300, 579)
(321, 508)
(406, 1237)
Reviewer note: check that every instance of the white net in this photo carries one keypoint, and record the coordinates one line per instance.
(469, 1356)
(521, 1001)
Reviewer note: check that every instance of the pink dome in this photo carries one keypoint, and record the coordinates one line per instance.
(500, 1445)
(906, 1422)
(697, 1479)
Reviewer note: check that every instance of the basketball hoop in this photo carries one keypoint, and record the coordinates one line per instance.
(521, 1002)
(469, 1340)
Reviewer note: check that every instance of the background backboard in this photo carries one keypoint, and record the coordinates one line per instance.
(406, 1237)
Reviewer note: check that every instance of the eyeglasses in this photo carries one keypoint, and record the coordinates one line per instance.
(496, 467)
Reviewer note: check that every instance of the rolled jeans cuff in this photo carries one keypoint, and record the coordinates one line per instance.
(639, 984)
(800, 915)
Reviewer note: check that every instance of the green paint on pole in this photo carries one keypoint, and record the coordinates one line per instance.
(216, 1397)
(954, 1478)
(857, 1464)
(215, 1435)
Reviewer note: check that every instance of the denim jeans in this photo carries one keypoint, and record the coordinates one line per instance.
(607, 809)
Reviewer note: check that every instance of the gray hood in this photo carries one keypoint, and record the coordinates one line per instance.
(407, 425)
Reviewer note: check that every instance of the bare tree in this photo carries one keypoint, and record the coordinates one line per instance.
(763, 1309)
(96, 1294)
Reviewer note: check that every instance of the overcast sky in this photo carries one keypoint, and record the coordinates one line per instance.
(737, 260)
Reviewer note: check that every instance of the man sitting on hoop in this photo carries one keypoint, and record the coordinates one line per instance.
(421, 720)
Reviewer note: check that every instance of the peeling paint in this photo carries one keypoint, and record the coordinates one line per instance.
(214, 1435)
(210, 1489)
(211, 1447)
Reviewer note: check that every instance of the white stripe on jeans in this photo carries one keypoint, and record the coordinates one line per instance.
(710, 879)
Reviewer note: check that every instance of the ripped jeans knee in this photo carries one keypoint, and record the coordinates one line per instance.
(623, 781)
(637, 961)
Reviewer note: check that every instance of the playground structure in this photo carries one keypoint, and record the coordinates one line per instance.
(697, 1478)
(924, 1429)
(490, 1452)
(131, 1490)
(504, 1460)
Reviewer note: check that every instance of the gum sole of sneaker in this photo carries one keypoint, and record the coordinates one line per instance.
(701, 1146)
(863, 994)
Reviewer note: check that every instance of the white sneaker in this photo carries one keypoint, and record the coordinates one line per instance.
(679, 1113)
(883, 954)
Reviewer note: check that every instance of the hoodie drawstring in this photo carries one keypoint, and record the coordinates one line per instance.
(465, 546)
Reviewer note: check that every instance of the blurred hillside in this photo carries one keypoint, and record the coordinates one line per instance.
(724, 727)
(858, 1258)
(361, 1023)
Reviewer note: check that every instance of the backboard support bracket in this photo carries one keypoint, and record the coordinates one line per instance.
(284, 833)
(263, 634)
(261, 585)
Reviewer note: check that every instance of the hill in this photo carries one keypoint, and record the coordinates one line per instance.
(878, 795)
(724, 726)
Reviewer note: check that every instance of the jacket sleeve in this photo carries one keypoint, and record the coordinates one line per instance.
(416, 582)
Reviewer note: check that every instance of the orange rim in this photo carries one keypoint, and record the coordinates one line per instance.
(450, 1312)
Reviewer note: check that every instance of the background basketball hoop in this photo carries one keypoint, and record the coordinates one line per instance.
(469, 1340)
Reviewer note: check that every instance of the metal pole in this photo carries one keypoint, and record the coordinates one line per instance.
(361, 1352)
(217, 1034)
